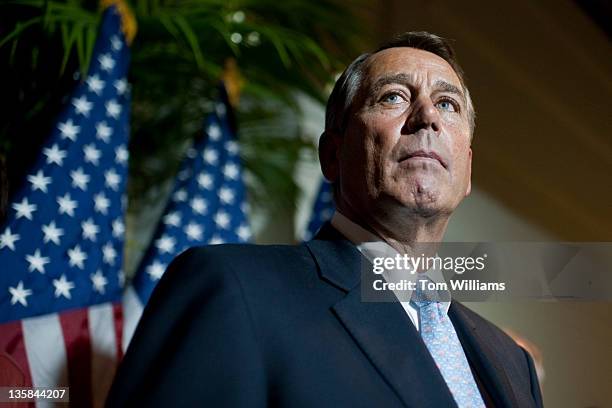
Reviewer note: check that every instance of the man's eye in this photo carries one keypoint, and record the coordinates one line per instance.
(447, 105)
(392, 98)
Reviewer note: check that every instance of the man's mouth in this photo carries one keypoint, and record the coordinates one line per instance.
(426, 155)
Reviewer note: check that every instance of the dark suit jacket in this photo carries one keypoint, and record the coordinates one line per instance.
(256, 326)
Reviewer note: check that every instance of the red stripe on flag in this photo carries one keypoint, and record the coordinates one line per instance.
(75, 327)
(118, 319)
(14, 367)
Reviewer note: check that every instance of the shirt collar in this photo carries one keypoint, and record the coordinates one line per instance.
(371, 246)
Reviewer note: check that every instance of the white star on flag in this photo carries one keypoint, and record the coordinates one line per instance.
(226, 195)
(210, 156)
(90, 230)
(62, 287)
(69, 130)
(327, 213)
(205, 181)
(121, 155)
(8, 239)
(66, 205)
(198, 205)
(113, 109)
(120, 86)
(95, 84)
(116, 43)
(98, 281)
(82, 105)
(156, 270)
(79, 179)
(118, 228)
(103, 131)
(231, 147)
(180, 195)
(184, 174)
(19, 294)
(244, 233)
(101, 203)
(221, 110)
(37, 262)
(24, 209)
(193, 231)
(107, 63)
(173, 219)
(77, 257)
(112, 179)
(231, 171)
(165, 244)
(39, 181)
(92, 155)
(214, 132)
(245, 207)
(109, 253)
(216, 240)
(121, 278)
(222, 219)
(55, 155)
(52, 233)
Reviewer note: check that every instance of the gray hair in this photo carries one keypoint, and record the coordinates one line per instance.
(341, 99)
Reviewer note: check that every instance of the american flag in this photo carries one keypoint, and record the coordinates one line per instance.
(207, 206)
(61, 249)
(322, 211)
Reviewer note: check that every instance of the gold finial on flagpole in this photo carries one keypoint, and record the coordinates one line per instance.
(233, 81)
(128, 21)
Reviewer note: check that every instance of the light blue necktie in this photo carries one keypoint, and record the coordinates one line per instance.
(439, 335)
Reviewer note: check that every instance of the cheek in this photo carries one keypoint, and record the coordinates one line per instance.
(455, 121)
(461, 169)
(377, 134)
(354, 160)
(459, 143)
(380, 160)
(458, 140)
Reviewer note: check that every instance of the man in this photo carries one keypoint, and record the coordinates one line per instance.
(254, 326)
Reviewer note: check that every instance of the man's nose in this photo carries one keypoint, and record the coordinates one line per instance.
(424, 115)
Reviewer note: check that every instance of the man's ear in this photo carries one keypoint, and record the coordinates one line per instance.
(469, 164)
(329, 145)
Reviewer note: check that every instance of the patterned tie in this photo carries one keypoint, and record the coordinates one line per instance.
(439, 335)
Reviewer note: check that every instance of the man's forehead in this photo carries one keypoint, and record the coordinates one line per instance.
(409, 63)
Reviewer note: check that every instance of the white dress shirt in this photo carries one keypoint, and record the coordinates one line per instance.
(371, 246)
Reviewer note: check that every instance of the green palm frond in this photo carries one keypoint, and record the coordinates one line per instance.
(78, 26)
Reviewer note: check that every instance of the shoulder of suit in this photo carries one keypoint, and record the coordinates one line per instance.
(241, 260)
(237, 254)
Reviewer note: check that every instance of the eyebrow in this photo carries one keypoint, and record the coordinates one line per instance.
(444, 86)
(404, 79)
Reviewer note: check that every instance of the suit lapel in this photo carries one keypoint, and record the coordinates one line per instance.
(482, 355)
(390, 341)
(383, 331)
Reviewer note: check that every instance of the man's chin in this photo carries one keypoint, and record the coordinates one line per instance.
(425, 209)
(424, 206)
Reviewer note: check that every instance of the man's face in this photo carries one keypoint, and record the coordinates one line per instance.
(406, 148)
